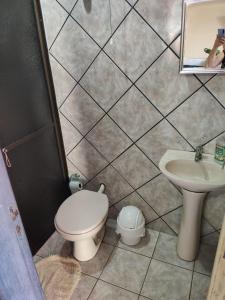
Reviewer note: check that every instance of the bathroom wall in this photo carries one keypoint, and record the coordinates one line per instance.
(122, 102)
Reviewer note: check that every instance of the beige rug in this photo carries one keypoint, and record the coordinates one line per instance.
(59, 276)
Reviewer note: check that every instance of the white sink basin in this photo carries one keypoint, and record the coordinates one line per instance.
(195, 179)
(202, 176)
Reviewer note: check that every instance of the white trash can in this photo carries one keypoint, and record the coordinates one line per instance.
(130, 225)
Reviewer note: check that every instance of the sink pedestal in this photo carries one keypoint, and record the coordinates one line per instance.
(189, 235)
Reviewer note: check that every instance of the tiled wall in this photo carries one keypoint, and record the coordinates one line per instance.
(122, 102)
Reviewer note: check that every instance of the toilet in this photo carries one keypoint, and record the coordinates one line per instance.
(81, 219)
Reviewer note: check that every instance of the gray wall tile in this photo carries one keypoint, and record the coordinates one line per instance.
(105, 82)
(164, 17)
(97, 21)
(130, 50)
(135, 114)
(161, 195)
(63, 82)
(136, 200)
(108, 138)
(204, 124)
(163, 84)
(74, 49)
(54, 16)
(81, 110)
(134, 47)
(135, 173)
(87, 159)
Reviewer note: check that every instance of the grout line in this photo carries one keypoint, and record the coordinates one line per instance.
(148, 267)
(68, 15)
(160, 218)
(192, 276)
(147, 23)
(139, 90)
(118, 66)
(120, 287)
(102, 270)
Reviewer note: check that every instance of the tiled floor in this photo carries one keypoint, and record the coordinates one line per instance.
(150, 270)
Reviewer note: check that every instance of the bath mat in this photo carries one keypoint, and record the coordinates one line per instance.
(58, 276)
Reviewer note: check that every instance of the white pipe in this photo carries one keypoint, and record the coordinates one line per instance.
(101, 188)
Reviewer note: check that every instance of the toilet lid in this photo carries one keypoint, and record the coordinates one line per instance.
(82, 212)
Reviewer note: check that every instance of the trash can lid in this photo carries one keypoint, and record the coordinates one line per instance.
(131, 217)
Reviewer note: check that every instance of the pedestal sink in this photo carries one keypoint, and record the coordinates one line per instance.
(195, 179)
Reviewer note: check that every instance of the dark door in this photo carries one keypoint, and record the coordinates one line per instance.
(30, 135)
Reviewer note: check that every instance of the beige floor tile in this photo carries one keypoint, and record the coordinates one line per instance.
(205, 259)
(95, 266)
(200, 285)
(103, 291)
(166, 250)
(167, 282)
(147, 244)
(126, 269)
(111, 237)
(83, 288)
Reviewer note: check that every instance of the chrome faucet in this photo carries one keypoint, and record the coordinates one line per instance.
(198, 153)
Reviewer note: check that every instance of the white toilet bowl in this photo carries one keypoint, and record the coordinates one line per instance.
(81, 219)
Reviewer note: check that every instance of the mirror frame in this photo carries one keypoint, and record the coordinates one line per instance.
(192, 70)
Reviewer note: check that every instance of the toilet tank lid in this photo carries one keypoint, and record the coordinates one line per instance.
(82, 212)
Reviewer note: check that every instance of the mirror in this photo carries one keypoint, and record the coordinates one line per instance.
(203, 37)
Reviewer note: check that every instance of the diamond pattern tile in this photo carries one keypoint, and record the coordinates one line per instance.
(163, 84)
(73, 170)
(210, 147)
(164, 17)
(81, 110)
(108, 138)
(116, 187)
(54, 16)
(159, 139)
(87, 159)
(216, 86)
(211, 239)
(138, 173)
(199, 110)
(214, 208)
(67, 4)
(63, 82)
(96, 20)
(136, 49)
(161, 195)
(136, 200)
(130, 50)
(71, 135)
(173, 219)
(176, 46)
(135, 114)
(160, 226)
(106, 92)
(74, 49)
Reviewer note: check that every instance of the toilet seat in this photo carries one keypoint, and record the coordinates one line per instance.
(82, 212)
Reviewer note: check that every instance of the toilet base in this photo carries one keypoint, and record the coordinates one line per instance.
(86, 249)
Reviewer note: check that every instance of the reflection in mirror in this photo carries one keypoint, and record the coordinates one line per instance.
(203, 37)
